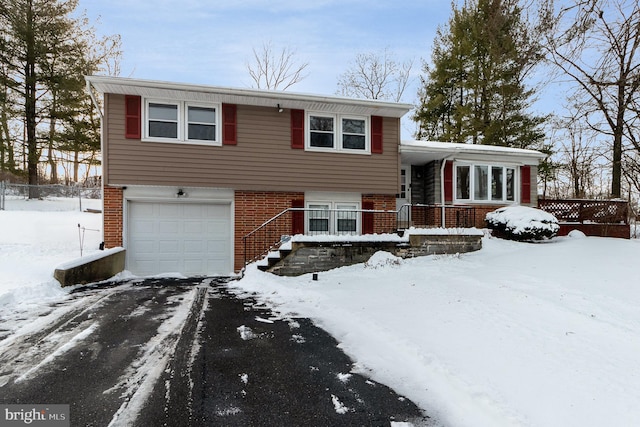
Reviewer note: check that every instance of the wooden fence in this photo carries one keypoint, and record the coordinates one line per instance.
(606, 218)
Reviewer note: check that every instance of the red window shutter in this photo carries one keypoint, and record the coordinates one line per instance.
(297, 129)
(376, 134)
(448, 181)
(229, 124)
(367, 218)
(133, 119)
(297, 217)
(525, 181)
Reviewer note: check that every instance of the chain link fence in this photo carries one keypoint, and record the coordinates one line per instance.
(10, 192)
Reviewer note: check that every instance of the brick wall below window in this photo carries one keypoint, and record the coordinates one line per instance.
(382, 223)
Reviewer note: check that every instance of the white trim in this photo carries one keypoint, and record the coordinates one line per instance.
(489, 200)
(367, 134)
(183, 122)
(332, 200)
(337, 133)
(256, 97)
(192, 195)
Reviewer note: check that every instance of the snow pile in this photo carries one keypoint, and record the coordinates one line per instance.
(523, 223)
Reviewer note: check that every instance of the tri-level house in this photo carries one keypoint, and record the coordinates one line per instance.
(189, 171)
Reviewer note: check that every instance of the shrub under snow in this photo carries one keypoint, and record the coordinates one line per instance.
(523, 223)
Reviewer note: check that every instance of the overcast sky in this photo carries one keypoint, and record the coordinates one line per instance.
(210, 42)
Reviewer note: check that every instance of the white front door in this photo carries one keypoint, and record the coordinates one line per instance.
(404, 197)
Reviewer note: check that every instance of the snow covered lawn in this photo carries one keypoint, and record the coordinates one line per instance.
(516, 334)
(35, 237)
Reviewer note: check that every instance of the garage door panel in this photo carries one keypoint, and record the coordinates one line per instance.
(193, 246)
(145, 246)
(146, 209)
(194, 227)
(169, 227)
(169, 247)
(190, 238)
(164, 210)
(144, 227)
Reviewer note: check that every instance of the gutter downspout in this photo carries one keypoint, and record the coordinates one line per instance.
(442, 201)
(94, 100)
(102, 181)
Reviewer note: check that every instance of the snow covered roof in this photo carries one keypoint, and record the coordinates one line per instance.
(256, 97)
(421, 152)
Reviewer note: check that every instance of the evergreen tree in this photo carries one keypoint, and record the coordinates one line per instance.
(45, 52)
(475, 91)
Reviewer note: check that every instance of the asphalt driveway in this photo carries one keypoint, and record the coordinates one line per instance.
(187, 352)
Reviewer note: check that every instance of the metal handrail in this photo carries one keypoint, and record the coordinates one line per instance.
(401, 220)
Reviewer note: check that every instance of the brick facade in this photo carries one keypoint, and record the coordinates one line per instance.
(113, 216)
(252, 209)
(382, 223)
(455, 216)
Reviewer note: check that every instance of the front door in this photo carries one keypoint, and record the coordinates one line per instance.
(404, 198)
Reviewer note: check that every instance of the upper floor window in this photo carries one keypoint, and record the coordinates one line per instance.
(181, 121)
(335, 132)
(486, 183)
(163, 120)
(321, 131)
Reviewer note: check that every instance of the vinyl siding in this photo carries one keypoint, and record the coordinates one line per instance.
(263, 160)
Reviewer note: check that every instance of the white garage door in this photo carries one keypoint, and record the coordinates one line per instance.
(187, 238)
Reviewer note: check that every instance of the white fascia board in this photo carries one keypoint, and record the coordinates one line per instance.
(256, 97)
(417, 152)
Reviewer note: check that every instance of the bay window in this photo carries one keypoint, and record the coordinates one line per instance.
(485, 183)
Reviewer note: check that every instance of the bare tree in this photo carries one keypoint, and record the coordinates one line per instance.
(375, 75)
(275, 70)
(596, 44)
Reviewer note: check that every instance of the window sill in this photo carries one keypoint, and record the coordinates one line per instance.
(484, 202)
(182, 142)
(337, 151)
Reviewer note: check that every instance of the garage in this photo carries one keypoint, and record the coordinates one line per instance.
(179, 237)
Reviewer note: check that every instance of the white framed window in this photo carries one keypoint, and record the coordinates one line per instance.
(162, 120)
(404, 180)
(485, 183)
(201, 123)
(336, 132)
(322, 131)
(347, 218)
(354, 133)
(318, 217)
(333, 218)
(181, 121)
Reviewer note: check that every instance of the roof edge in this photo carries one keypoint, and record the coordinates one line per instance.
(408, 146)
(96, 81)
